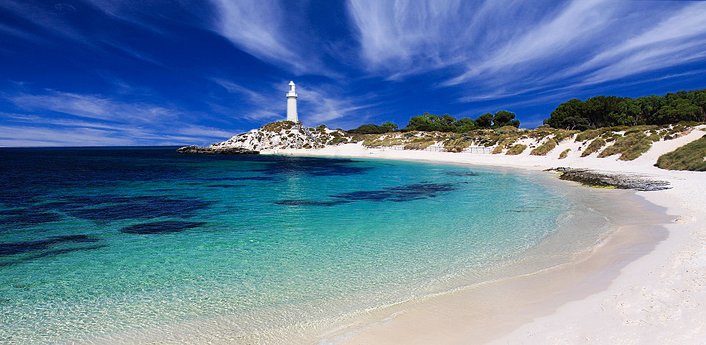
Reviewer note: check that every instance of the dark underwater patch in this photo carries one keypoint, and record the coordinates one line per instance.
(313, 166)
(398, 194)
(27, 216)
(163, 227)
(14, 248)
(51, 253)
(241, 178)
(408, 192)
(225, 185)
(461, 173)
(311, 202)
(141, 207)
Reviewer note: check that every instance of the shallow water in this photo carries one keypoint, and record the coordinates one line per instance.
(108, 243)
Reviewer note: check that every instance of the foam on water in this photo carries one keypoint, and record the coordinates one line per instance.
(144, 243)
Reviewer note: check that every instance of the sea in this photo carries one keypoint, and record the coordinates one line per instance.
(137, 245)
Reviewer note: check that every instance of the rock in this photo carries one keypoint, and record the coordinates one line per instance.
(620, 181)
(216, 151)
(284, 135)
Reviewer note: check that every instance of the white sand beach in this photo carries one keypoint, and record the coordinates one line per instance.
(623, 292)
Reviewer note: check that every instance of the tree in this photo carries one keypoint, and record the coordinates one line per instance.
(505, 118)
(606, 111)
(374, 129)
(485, 121)
(429, 122)
(389, 126)
(464, 125)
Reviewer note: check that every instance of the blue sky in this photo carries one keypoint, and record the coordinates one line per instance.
(109, 72)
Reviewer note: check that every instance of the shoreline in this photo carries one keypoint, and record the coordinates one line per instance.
(605, 310)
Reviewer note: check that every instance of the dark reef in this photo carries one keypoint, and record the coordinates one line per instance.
(163, 227)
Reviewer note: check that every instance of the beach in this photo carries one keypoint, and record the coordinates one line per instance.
(636, 287)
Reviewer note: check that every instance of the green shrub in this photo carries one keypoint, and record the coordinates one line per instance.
(505, 143)
(588, 135)
(545, 148)
(457, 144)
(516, 149)
(563, 134)
(564, 153)
(419, 143)
(594, 146)
(278, 126)
(629, 147)
(691, 156)
(381, 140)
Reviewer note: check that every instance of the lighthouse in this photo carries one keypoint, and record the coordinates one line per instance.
(292, 103)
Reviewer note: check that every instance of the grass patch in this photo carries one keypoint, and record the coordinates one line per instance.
(516, 149)
(419, 143)
(588, 135)
(564, 153)
(563, 134)
(545, 148)
(457, 144)
(594, 146)
(278, 126)
(505, 143)
(691, 156)
(381, 140)
(629, 147)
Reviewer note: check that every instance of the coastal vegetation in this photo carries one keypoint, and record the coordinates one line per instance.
(516, 149)
(543, 149)
(691, 156)
(599, 127)
(375, 129)
(593, 147)
(608, 111)
(629, 147)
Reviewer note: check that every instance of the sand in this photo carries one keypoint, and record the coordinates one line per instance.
(642, 285)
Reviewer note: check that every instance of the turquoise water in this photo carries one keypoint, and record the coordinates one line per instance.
(110, 243)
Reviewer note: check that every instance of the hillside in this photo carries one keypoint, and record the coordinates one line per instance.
(623, 143)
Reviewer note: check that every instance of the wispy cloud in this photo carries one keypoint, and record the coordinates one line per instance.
(263, 28)
(93, 106)
(59, 118)
(260, 105)
(500, 49)
(397, 35)
(317, 103)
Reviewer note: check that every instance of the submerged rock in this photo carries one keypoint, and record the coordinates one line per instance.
(610, 180)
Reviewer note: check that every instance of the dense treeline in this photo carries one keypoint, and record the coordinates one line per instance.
(607, 111)
(575, 114)
(444, 123)
(375, 129)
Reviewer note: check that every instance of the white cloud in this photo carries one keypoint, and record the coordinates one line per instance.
(496, 49)
(316, 103)
(94, 107)
(263, 28)
(86, 120)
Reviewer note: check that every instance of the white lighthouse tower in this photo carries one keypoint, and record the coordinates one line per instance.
(292, 103)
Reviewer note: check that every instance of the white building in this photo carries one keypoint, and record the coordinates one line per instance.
(292, 103)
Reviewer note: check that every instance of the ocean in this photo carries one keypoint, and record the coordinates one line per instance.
(111, 245)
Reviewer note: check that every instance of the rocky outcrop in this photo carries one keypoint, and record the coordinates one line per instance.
(212, 151)
(283, 135)
(620, 181)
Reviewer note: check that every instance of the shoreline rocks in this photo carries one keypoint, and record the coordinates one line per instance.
(216, 151)
(604, 180)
